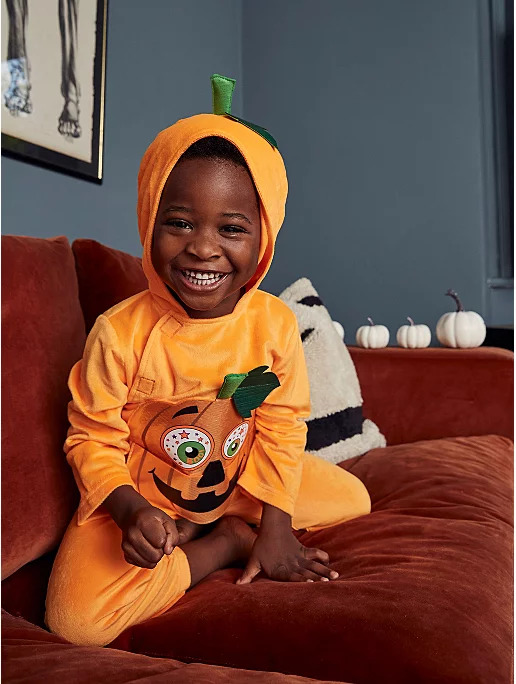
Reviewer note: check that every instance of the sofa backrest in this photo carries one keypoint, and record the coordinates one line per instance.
(43, 335)
(106, 276)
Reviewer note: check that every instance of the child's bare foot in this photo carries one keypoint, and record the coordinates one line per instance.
(229, 543)
(239, 534)
(189, 530)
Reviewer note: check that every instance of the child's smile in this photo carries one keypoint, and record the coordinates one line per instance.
(200, 281)
(207, 235)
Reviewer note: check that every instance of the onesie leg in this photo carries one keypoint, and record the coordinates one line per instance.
(94, 594)
(328, 495)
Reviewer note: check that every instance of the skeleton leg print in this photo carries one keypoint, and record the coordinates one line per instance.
(68, 124)
(17, 96)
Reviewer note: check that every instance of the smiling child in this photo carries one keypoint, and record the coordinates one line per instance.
(187, 419)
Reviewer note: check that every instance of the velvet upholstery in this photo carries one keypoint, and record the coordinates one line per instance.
(30, 654)
(42, 337)
(106, 276)
(425, 592)
(415, 394)
(425, 586)
(24, 592)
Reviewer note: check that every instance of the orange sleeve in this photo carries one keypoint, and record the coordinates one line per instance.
(97, 440)
(273, 470)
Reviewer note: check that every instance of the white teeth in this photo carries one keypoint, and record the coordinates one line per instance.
(203, 276)
(206, 279)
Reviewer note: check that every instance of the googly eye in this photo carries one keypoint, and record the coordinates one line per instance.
(188, 447)
(234, 441)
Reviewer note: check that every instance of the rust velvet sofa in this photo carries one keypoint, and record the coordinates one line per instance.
(425, 592)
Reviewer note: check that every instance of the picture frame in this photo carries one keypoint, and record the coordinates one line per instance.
(53, 84)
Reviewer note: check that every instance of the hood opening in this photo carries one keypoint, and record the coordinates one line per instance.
(267, 170)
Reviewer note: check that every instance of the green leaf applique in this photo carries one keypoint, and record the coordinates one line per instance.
(253, 390)
(248, 390)
(222, 95)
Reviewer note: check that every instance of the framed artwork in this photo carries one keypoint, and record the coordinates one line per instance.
(53, 83)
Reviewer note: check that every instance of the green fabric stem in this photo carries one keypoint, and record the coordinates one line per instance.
(230, 384)
(222, 91)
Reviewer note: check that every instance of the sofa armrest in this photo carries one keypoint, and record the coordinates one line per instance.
(415, 394)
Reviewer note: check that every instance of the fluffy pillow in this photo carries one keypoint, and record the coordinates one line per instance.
(337, 429)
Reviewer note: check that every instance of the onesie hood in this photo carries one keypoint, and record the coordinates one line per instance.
(269, 176)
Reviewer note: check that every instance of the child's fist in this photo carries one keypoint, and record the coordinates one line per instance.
(147, 535)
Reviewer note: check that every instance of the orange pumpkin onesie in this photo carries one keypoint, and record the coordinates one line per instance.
(204, 417)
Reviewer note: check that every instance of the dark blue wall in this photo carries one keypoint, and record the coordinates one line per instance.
(160, 57)
(380, 112)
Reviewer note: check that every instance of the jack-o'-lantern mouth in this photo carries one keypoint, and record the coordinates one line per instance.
(208, 501)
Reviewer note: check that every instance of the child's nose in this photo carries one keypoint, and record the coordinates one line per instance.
(204, 245)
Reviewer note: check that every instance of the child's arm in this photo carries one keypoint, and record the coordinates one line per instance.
(97, 444)
(98, 437)
(273, 470)
(273, 473)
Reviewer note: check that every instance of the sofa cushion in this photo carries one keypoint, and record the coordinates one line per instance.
(30, 654)
(106, 276)
(42, 337)
(425, 586)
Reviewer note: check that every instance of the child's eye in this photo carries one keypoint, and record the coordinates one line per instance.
(177, 223)
(234, 229)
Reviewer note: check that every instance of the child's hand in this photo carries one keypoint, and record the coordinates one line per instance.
(282, 557)
(147, 535)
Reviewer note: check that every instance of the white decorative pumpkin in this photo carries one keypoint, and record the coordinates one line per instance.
(339, 329)
(413, 336)
(460, 328)
(372, 336)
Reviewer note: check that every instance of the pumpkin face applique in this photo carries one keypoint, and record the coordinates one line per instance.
(193, 452)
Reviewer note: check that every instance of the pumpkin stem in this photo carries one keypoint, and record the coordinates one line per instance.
(411, 321)
(222, 93)
(455, 296)
(370, 320)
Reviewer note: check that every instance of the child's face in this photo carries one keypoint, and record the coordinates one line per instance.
(193, 231)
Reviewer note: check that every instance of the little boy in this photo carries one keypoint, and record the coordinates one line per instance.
(188, 406)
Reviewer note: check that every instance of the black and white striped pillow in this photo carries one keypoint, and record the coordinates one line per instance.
(336, 427)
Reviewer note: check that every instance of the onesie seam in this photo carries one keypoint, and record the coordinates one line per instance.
(114, 332)
(291, 335)
(141, 371)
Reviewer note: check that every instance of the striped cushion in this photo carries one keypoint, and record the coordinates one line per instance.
(336, 427)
